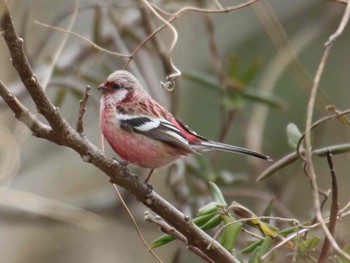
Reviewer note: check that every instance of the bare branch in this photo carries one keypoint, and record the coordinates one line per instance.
(82, 109)
(344, 21)
(63, 134)
(309, 114)
(20, 62)
(334, 210)
(85, 39)
(59, 50)
(183, 10)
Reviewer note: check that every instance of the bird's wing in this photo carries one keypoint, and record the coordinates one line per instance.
(155, 128)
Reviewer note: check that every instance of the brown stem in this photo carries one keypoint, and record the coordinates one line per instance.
(327, 246)
(82, 109)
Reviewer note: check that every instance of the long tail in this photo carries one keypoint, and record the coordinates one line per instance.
(231, 148)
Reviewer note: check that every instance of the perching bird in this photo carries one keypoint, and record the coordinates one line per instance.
(144, 133)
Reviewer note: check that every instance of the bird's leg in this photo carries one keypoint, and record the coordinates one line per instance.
(150, 187)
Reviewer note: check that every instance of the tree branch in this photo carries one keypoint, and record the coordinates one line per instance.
(63, 134)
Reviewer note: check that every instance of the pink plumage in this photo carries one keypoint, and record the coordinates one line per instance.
(144, 133)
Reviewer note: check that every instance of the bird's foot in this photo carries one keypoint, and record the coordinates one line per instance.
(125, 169)
(149, 188)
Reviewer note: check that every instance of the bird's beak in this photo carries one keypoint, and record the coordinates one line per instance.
(102, 88)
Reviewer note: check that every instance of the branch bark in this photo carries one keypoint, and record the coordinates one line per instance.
(60, 132)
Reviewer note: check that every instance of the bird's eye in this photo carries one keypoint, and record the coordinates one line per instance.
(116, 86)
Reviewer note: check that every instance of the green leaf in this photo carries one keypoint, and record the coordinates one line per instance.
(216, 192)
(232, 102)
(213, 222)
(203, 219)
(256, 256)
(293, 136)
(252, 71)
(162, 240)
(251, 247)
(255, 95)
(288, 230)
(208, 208)
(306, 246)
(311, 243)
(233, 65)
(266, 244)
(230, 233)
(199, 221)
(202, 79)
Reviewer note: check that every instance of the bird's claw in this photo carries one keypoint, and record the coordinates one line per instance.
(149, 188)
(124, 166)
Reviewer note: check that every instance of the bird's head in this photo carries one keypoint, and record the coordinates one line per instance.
(121, 85)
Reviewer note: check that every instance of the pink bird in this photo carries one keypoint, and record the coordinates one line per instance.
(144, 133)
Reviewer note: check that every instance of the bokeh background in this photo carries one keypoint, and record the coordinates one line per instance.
(56, 208)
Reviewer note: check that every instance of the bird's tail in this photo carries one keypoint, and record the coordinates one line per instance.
(211, 145)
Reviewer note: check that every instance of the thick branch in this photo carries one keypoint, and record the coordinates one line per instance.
(21, 64)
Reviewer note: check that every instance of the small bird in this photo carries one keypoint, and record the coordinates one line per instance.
(144, 133)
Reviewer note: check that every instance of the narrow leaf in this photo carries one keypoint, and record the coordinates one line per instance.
(252, 71)
(213, 222)
(268, 99)
(230, 233)
(251, 247)
(162, 240)
(208, 208)
(293, 136)
(216, 192)
(202, 79)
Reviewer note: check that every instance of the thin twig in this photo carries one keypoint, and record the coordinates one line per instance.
(121, 199)
(344, 21)
(59, 50)
(345, 214)
(244, 220)
(334, 210)
(218, 4)
(315, 124)
(82, 109)
(292, 157)
(183, 10)
(86, 40)
(163, 56)
(170, 79)
(310, 107)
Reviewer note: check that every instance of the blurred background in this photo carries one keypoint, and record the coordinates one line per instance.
(56, 208)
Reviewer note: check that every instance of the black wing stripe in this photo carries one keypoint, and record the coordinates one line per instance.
(156, 129)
